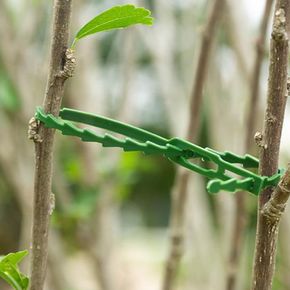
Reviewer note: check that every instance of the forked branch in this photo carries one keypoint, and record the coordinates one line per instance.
(268, 223)
(240, 220)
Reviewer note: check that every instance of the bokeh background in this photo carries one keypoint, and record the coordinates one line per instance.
(109, 229)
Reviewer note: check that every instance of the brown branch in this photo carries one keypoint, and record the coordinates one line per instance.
(275, 207)
(255, 81)
(179, 194)
(267, 231)
(237, 38)
(240, 219)
(202, 67)
(44, 143)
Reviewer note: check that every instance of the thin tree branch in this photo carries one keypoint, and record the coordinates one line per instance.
(202, 67)
(275, 207)
(267, 231)
(179, 194)
(240, 219)
(255, 81)
(238, 38)
(44, 143)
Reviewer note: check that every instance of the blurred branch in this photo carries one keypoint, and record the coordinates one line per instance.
(95, 239)
(202, 67)
(14, 59)
(256, 74)
(163, 55)
(179, 195)
(17, 160)
(128, 66)
(271, 200)
(237, 37)
(100, 246)
(56, 260)
(240, 218)
(284, 242)
(44, 144)
(6, 45)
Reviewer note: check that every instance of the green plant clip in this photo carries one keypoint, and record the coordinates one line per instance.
(231, 171)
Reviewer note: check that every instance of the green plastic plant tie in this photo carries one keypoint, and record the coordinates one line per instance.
(231, 171)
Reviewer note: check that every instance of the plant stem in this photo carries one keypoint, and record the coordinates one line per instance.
(44, 145)
(202, 67)
(267, 230)
(240, 219)
(179, 194)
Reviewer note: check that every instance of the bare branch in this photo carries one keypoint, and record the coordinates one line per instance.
(255, 81)
(275, 207)
(179, 195)
(202, 67)
(267, 231)
(240, 219)
(43, 150)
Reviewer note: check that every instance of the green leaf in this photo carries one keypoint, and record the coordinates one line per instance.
(10, 272)
(115, 18)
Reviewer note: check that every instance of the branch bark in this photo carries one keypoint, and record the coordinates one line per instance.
(272, 199)
(240, 219)
(180, 191)
(59, 59)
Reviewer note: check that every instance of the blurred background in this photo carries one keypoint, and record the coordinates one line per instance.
(110, 226)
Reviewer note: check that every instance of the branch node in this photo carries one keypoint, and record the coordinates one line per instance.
(51, 203)
(69, 65)
(33, 127)
(288, 86)
(258, 137)
(279, 26)
(273, 211)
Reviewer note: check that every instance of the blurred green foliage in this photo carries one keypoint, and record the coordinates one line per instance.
(9, 227)
(9, 100)
(142, 181)
(82, 197)
(146, 182)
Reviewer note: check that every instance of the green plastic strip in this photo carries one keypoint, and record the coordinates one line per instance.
(177, 150)
(111, 125)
